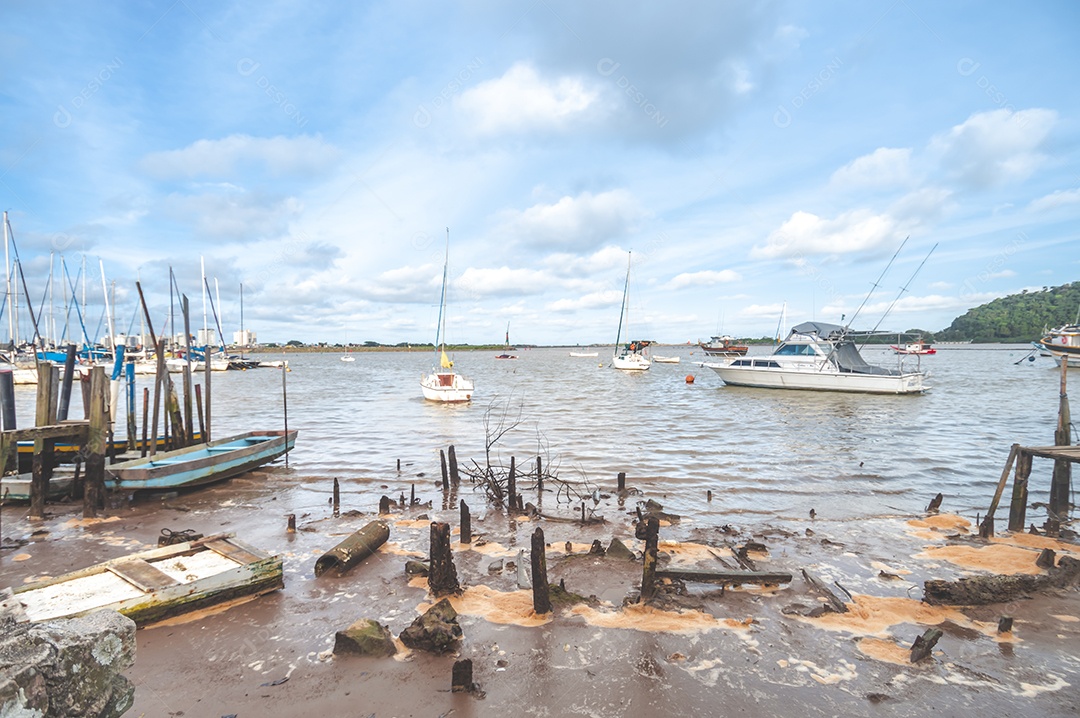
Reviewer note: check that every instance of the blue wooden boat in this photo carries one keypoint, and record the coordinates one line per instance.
(200, 464)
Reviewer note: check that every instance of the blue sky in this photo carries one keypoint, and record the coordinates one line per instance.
(751, 155)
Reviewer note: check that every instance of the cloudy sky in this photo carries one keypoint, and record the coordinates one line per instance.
(751, 155)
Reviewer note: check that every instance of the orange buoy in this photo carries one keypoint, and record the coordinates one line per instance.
(689, 378)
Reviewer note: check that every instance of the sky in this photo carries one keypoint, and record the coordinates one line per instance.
(887, 164)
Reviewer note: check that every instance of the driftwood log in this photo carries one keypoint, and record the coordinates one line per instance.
(981, 590)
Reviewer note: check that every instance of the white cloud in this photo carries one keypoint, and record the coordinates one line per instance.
(522, 101)
(593, 300)
(572, 265)
(807, 233)
(993, 148)
(583, 222)
(503, 281)
(706, 278)
(233, 214)
(277, 156)
(881, 168)
(762, 311)
(1056, 199)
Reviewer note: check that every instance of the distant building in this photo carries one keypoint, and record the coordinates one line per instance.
(206, 337)
(244, 338)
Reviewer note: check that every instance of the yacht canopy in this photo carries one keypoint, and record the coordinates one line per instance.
(822, 329)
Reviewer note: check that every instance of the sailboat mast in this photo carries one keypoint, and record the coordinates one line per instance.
(202, 269)
(7, 271)
(622, 307)
(108, 314)
(442, 298)
(243, 336)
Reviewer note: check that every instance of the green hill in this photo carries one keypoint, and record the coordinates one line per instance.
(1017, 317)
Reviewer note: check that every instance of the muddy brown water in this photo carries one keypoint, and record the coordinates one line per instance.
(768, 458)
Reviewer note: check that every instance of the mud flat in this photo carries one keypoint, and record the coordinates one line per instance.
(698, 650)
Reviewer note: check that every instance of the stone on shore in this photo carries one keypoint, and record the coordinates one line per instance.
(365, 637)
(437, 631)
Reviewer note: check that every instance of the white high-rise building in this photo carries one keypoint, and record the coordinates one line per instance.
(244, 338)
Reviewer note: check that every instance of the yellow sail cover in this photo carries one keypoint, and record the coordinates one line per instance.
(445, 360)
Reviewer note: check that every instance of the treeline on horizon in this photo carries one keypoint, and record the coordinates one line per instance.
(1022, 317)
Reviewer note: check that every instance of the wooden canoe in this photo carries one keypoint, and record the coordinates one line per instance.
(154, 585)
(200, 464)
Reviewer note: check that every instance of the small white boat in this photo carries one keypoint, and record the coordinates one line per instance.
(347, 357)
(443, 384)
(632, 356)
(665, 360)
(153, 585)
(584, 354)
(1062, 342)
(822, 357)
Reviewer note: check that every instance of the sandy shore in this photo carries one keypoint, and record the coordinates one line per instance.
(712, 652)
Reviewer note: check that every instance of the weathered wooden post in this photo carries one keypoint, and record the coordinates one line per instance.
(65, 389)
(442, 577)
(189, 428)
(451, 457)
(145, 419)
(199, 412)
(648, 574)
(1062, 477)
(511, 486)
(1018, 507)
(84, 385)
(206, 381)
(7, 400)
(159, 382)
(539, 476)
(986, 528)
(384, 505)
(129, 393)
(461, 676)
(466, 523)
(45, 414)
(442, 467)
(412, 494)
(621, 481)
(337, 497)
(541, 590)
(291, 528)
(95, 443)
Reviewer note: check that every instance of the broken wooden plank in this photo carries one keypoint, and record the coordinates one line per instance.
(980, 590)
(924, 644)
(141, 574)
(230, 549)
(836, 604)
(725, 578)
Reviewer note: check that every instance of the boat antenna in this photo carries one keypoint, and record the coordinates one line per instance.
(900, 293)
(442, 297)
(878, 282)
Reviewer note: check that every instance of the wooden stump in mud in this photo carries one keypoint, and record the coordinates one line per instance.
(648, 574)
(511, 486)
(442, 467)
(443, 578)
(465, 535)
(461, 679)
(451, 458)
(541, 591)
(924, 644)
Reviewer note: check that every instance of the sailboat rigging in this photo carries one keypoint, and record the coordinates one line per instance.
(629, 357)
(443, 384)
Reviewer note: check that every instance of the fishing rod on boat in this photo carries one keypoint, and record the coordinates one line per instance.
(878, 282)
(900, 294)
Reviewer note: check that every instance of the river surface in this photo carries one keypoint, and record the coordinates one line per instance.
(768, 453)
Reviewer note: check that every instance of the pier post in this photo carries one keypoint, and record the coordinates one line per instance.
(621, 481)
(648, 573)
(442, 577)
(7, 400)
(159, 382)
(541, 590)
(466, 524)
(188, 423)
(1018, 507)
(129, 393)
(539, 476)
(451, 457)
(1062, 477)
(511, 487)
(291, 528)
(45, 414)
(65, 389)
(206, 381)
(94, 494)
(337, 498)
(199, 412)
(442, 467)
(145, 418)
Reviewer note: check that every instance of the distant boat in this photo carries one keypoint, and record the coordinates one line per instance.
(444, 384)
(724, 346)
(200, 464)
(665, 360)
(347, 356)
(150, 586)
(822, 357)
(916, 347)
(584, 354)
(507, 349)
(1063, 342)
(630, 357)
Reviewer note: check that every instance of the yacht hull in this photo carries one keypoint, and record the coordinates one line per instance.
(820, 380)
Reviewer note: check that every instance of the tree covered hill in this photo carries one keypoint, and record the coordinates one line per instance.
(1017, 317)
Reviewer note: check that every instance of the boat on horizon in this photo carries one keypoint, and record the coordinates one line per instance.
(724, 346)
(584, 354)
(1062, 342)
(821, 357)
(631, 356)
(443, 384)
(665, 360)
(507, 349)
(916, 347)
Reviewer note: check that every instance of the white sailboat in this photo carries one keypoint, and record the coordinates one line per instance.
(347, 356)
(630, 357)
(443, 384)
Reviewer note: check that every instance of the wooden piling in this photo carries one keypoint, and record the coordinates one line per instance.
(84, 386)
(45, 415)
(199, 410)
(442, 467)
(412, 494)
(384, 505)
(206, 382)
(511, 486)
(935, 504)
(461, 676)
(648, 573)
(145, 419)
(129, 394)
(291, 528)
(159, 348)
(1005, 624)
(621, 481)
(1062, 476)
(465, 534)
(924, 644)
(541, 590)
(451, 458)
(986, 528)
(539, 476)
(442, 578)
(176, 417)
(188, 419)
(1018, 506)
(337, 497)
(65, 389)
(94, 494)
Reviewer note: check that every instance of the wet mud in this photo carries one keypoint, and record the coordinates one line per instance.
(701, 650)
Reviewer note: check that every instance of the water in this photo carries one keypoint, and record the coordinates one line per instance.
(766, 454)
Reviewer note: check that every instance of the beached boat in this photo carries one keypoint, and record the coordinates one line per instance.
(1062, 342)
(443, 384)
(584, 354)
(916, 347)
(153, 585)
(665, 360)
(65, 452)
(202, 463)
(723, 346)
(16, 487)
(823, 357)
(632, 356)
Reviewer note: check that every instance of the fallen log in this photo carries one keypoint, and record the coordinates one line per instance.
(980, 590)
(834, 602)
(354, 549)
(924, 644)
(725, 578)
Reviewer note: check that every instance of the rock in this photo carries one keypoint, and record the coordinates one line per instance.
(617, 549)
(437, 631)
(68, 667)
(597, 548)
(495, 566)
(365, 638)
(416, 568)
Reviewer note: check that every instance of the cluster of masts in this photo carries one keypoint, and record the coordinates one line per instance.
(43, 340)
